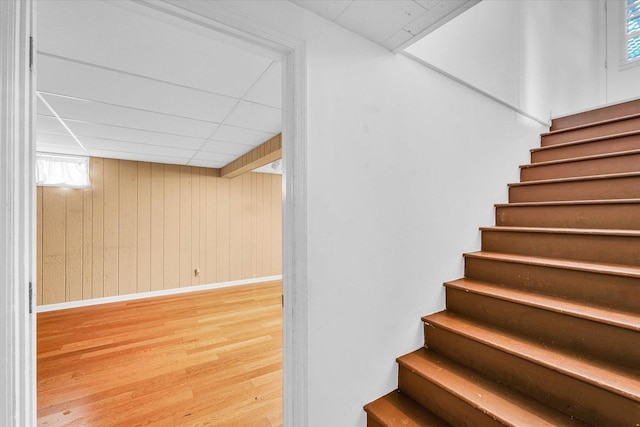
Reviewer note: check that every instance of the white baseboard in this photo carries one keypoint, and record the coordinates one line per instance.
(164, 292)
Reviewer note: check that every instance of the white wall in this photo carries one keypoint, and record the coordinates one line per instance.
(416, 163)
(545, 57)
(404, 165)
(623, 83)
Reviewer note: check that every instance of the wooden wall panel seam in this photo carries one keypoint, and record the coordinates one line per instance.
(130, 232)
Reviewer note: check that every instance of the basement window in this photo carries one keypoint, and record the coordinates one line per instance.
(56, 170)
(632, 30)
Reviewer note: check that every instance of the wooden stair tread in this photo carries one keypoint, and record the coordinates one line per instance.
(585, 141)
(581, 159)
(597, 114)
(592, 267)
(547, 307)
(592, 124)
(622, 383)
(497, 401)
(397, 409)
(588, 231)
(618, 318)
(570, 203)
(575, 179)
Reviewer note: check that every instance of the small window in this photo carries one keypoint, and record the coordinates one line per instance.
(632, 27)
(54, 170)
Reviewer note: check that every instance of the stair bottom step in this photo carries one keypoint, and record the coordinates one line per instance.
(397, 409)
(464, 398)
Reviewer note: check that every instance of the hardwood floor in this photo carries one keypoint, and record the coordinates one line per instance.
(210, 358)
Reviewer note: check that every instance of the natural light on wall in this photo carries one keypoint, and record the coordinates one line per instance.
(54, 170)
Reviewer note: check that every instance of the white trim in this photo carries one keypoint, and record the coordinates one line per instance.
(152, 294)
(17, 216)
(295, 256)
(629, 63)
(217, 17)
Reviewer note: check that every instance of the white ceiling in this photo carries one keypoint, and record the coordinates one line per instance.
(394, 24)
(131, 83)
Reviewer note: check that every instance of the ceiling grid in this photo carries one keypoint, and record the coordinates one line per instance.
(149, 91)
(391, 24)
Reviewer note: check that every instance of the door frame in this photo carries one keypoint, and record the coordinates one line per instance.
(17, 216)
(17, 200)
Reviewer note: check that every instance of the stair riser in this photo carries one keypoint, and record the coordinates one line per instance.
(618, 345)
(597, 115)
(397, 409)
(604, 146)
(606, 290)
(574, 397)
(592, 132)
(605, 216)
(442, 403)
(518, 391)
(583, 247)
(608, 165)
(598, 189)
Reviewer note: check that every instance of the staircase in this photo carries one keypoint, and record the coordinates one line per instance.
(544, 329)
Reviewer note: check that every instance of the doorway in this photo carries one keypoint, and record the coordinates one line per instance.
(294, 207)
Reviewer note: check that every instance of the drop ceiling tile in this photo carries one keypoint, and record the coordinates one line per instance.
(396, 40)
(268, 90)
(42, 109)
(378, 20)
(328, 9)
(226, 148)
(142, 44)
(81, 129)
(62, 140)
(60, 149)
(77, 80)
(257, 117)
(93, 144)
(428, 4)
(242, 135)
(425, 21)
(438, 14)
(214, 157)
(139, 157)
(207, 164)
(76, 109)
(49, 124)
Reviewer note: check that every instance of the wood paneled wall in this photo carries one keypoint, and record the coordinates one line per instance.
(147, 226)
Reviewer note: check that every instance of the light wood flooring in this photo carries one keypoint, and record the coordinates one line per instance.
(210, 358)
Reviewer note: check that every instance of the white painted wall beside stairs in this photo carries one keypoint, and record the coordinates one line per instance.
(545, 57)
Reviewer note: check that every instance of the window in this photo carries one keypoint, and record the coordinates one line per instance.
(54, 170)
(632, 26)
